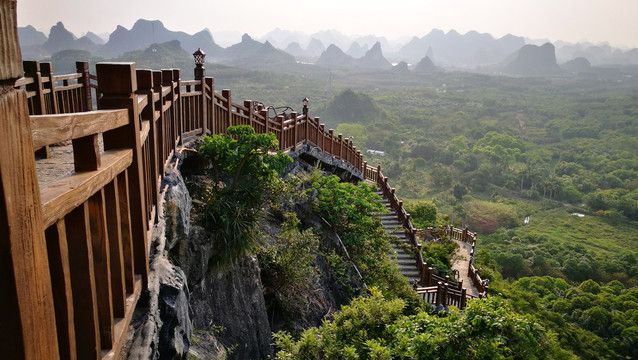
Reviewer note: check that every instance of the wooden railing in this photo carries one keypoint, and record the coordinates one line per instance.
(55, 94)
(96, 221)
(428, 279)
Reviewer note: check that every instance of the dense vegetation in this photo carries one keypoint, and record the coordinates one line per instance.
(376, 328)
(244, 169)
(491, 151)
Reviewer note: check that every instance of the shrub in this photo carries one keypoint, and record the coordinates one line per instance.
(244, 167)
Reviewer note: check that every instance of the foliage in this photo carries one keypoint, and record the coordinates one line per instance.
(422, 213)
(243, 171)
(287, 269)
(375, 328)
(594, 321)
(439, 255)
(485, 217)
(351, 210)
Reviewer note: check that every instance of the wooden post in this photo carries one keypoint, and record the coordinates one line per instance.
(439, 294)
(295, 132)
(38, 105)
(248, 104)
(118, 84)
(283, 140)
(28, 329)
(229, 105)
(318, 131)
(82, 67)
(322, 136)
(444, 297)
(145, 83)
(463, 298)
(202, 104)
(264, 114)
(306, 119)
(210, 84)
(331, 141)
(340, 147)
(46, 70)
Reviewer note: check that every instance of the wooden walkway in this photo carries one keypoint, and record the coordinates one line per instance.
(462, 265)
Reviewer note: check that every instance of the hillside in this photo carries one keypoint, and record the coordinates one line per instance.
(490, 151)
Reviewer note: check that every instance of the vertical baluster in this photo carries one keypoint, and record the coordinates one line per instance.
(87, 334)
(118, 85)
(57, 249)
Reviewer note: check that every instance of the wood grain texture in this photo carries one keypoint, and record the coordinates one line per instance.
(52, 129)
(22, 233)
(62, 196)
(62, 294)
(118, 288)
(87, 334)
(101, 266)
(10, 57)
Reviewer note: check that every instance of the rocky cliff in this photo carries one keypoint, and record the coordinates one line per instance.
(194, 309)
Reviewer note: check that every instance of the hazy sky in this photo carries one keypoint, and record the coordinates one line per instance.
(613, 21)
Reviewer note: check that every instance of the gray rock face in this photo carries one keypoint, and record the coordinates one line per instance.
(231, 299)
(310, 155)
(161, 322)
(534, 60)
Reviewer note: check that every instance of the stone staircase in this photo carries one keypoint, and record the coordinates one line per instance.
(392, 226)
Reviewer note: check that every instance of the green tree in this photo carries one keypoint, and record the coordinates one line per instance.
(422, 213)
(244, 167)
(375, 328)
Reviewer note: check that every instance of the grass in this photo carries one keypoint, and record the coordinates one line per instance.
(592, 231)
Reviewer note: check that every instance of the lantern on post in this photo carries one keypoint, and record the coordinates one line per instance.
(199, 56)
(305, 106)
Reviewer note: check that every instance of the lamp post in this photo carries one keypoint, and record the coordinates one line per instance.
(305, 106)
(199, 56)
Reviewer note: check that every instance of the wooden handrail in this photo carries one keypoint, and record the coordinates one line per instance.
(61, 196)
(52, 129)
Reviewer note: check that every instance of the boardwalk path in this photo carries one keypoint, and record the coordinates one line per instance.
(407, 262)
(462, 264)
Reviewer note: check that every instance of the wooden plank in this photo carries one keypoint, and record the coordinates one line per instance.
(121, 324)
(146, 127)
(142, 101)
(63, 195)
(86, 153)
(59, 267)
(24, 81)
(101, 266)
(125, 230)
(52, 129)
(118, 92)
(65, 88)
(28, 329)
(87, 335)
(67, 77)
(113, 216)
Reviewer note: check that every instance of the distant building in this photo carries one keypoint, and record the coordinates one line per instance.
(376, 152)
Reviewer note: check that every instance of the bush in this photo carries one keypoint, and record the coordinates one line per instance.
(375, 328)
(486, 216)
(287, 269)
(244, 168)
(422, 213)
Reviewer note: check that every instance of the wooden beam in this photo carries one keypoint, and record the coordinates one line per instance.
(101, 266)
(63, 195)
(28, 329)
(87, 334)
(52, 129)
(62, 294)
(113, 217)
